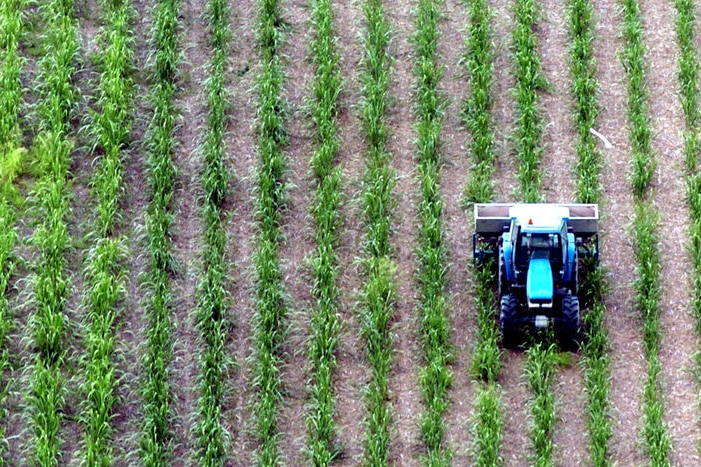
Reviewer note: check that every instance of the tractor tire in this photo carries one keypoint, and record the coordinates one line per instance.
(568, 327)
(502, 283)
(511, 336)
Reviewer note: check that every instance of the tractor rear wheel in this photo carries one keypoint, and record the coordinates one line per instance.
(510, 335)
(503, 285)
(568, 327)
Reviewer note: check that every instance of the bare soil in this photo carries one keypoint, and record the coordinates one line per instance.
(623, 325)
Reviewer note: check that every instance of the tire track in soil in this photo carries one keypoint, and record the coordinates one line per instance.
(458, 229)
(131, 342)
(240, 141)
(679, 338)
(297, 230)
(405, 393)
(559, 185)
(352, 372)
(628, 365)
(186, 229)
(515, 395)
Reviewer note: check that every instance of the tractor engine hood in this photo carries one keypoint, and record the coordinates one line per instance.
(539, 282)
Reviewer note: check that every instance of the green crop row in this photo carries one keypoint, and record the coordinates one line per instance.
(11, 24)
(379, 292)
(211, 308)
(479, 62)
(488, 429)
(584, 90)
(647, 298)
(529, 80)
(156, 442)
(436, 376)
(269, 324)
(326, 88)
(105, 277)
(644, 230)
(595, 344)
(53, 150)
(639, 121)
(11, 27)
(540, 372)
(689, 95)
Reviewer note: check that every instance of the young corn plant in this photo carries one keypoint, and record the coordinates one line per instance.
(529, 80)
(540, 372)
(379, 292)
(479, 61)
(647, 297)
(643, 161)
(595, 346)
(436, 377)
(50, 284)
(104, 273)
(212, 307)
(269, 322)
(156, 437)
(326, 88)
(485, 367)
(645, 222)
(11, 27)
(688, 96)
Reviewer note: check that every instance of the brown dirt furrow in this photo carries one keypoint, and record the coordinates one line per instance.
(132, 322)
(504, 105)
(187, 229)
(405, 393)
(627, 362)
(559, 137)
(297, 230)
(559, 185)
(82, 206)
(457, 229)
(679, 339)
(516, 398)
(242, 160)
(352, 371)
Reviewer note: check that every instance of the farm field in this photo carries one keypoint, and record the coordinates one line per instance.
(240, 232)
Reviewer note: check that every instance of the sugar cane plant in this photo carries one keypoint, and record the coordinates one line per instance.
(156, 437)
(529, 81)
(436, 377)
(688, 96)
(379, 292)
(595, 346)
(212, 318)
(11, 155)
(645, 237)
(325, 321)
(269, 322)
(53, 148)
(109, 130)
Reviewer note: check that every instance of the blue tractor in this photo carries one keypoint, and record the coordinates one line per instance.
(538, 250)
